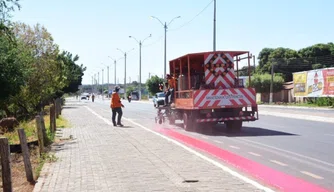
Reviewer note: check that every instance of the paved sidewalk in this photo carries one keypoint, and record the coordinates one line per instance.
(100, 157)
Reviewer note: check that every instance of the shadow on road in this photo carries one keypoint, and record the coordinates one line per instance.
(246, 131)
(126, 126)
(70, 107)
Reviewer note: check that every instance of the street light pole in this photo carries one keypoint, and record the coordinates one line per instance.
(98, 81)
(114, 69)
(108, 78)
(102, 83)
(165, 49)
(125, 53)
(140, 46)
(214, 26)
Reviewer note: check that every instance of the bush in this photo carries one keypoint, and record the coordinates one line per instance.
(261, 83)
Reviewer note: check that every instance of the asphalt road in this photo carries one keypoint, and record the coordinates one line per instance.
(301, 148)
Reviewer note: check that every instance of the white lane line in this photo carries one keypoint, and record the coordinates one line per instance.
(234, 147)
(298, 116)
(279, 163)
(255, 154)
(218, 141)
(312, 175)
(224, 168)
(293, 153)
(205, 137)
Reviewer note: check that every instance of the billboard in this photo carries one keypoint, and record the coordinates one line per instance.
(314, 83)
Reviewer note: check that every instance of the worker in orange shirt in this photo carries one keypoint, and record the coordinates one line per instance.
(116, 107)
(169, 89)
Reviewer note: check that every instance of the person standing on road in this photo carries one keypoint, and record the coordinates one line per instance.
(116, 107)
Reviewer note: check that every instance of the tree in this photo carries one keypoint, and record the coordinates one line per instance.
(244, 70)
(153, 84)
(6, 7)
(71, 73)
(44, 79)
(261, 82)
(288, 61)
(12, 68)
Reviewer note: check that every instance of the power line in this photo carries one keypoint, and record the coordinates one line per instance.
(187, 23)
(154, 42)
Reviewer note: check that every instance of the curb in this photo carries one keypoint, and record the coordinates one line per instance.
(296, 107)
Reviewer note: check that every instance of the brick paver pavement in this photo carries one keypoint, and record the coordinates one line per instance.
(100, 157)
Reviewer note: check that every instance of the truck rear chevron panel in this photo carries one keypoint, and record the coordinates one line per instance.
(224, 97)
(219, 69)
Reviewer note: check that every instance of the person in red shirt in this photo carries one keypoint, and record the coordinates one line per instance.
(116, 107)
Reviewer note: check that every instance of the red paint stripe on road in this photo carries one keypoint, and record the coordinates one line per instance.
(269, 176)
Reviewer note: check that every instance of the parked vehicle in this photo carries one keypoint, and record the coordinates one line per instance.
(159, 99)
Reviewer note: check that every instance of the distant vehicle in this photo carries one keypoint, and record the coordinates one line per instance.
(83, 97)
(159, 99)
(135, 95)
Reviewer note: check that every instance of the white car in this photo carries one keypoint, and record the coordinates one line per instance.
(159, 99)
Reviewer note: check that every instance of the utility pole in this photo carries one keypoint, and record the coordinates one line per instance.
(92, 84)
(108, 79)
(102, 82)
(214, 26)
(95, 83)
(140, 46)
(124, 75)
(115, 72)
(125, 53)
(165, 25)
(98, 81)
(271, 83)
(254, 63)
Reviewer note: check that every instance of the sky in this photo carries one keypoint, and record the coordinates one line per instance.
(95, 29)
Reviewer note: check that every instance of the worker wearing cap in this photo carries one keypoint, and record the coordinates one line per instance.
(116, 107)
(169, 88)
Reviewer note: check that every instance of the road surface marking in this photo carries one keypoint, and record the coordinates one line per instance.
(312, 175)
(218, 141)
(300, 116)
(205, 137)
(216, 163)
(234, 147)
(288, 156)
(293, 153)
(279, 163)
(255, 154)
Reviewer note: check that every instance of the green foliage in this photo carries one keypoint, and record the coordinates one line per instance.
(153, 84)
(261, 82)
(11, 68)
(33, 71)
(288, 61)
(6, 7)
(71, 73)
(321, 101)
(244, 70)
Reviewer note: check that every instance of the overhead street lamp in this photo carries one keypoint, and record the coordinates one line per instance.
(140, 45)
(114, 68)
(107, 76)
(165, 27)
(214, 26)
(125, 53)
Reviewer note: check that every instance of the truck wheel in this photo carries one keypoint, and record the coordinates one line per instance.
(187, 122)
(172, 119)
(233, 125)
